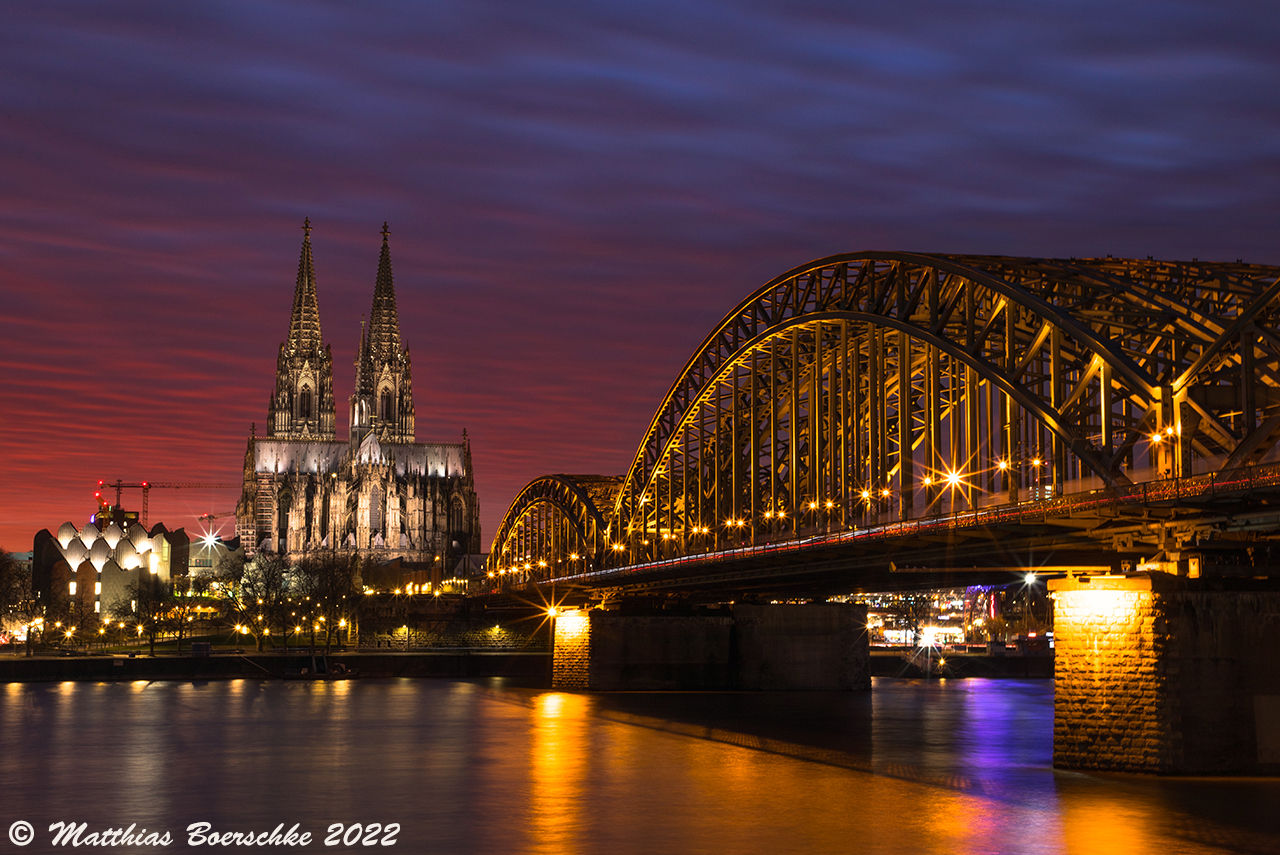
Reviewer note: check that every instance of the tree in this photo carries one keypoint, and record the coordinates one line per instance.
(327, 582)
(81, 620)
(148, 604)
(263, 594)
(17, 601)
(188, 594)
(996, 629)
(229, 586)
(915, 610)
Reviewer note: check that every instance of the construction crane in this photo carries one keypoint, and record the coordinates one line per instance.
(216, 516)
(147, 486)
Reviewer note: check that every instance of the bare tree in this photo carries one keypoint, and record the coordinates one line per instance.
(188, 595)
(327, 583)
(18, 604)
(915, 610)
(263, 594)
(241, 608)
(148, 603)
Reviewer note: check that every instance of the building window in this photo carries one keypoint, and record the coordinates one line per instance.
(304, 403)
(387, 407)
(73, 589)
(456, 516)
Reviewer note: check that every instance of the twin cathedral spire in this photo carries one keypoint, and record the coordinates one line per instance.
(302, 405)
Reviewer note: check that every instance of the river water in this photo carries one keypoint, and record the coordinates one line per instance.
(959, 766)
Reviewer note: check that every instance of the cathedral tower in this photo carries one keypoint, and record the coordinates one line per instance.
(383, 398)
(302, 405)
(379, 493)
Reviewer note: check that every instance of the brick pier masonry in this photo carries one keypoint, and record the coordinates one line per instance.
(750, 647)
(1162, 674)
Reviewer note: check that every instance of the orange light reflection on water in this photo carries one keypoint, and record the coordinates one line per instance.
(558, 758)
(1103, 826)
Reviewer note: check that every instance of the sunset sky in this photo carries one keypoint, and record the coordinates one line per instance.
(577, 193)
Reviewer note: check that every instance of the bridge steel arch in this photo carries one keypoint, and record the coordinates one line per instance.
(555, 526)
(886, 385)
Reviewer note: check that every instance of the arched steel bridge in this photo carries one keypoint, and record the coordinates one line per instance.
(893, 392)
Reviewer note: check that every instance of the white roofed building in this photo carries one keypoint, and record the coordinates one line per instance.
(90, 570)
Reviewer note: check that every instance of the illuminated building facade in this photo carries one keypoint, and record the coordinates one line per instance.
(89, 571)
(380, 492)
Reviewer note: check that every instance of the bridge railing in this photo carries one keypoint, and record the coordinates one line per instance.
(1203, 487)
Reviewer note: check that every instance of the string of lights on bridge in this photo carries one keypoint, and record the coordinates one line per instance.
(949, 478)
(871, 391)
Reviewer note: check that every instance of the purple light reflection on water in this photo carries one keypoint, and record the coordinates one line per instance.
(952, 766)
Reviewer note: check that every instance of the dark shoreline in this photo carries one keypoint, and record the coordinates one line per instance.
(892, 663)
(232, 666)
(535, 666)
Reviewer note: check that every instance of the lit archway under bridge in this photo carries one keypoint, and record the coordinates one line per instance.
(892, 393)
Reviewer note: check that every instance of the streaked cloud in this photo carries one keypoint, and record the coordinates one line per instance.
(577, 193)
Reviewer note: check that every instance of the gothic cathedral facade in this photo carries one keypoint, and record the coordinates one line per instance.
(379, 493)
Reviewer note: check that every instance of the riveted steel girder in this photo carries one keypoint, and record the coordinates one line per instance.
(555, 517)
(888, 385)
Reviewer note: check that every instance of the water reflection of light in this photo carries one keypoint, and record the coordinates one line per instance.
(551, 705)
(558, 759)
(1101, 826)
(960, 824)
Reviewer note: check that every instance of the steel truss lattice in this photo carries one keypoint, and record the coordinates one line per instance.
(886, 385)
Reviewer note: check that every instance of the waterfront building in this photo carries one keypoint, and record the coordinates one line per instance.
(89, 571)
(379, 493)
(209, 553)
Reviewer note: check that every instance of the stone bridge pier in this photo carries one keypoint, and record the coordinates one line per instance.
(1163, 674)
(751, 647)
(1155, 673)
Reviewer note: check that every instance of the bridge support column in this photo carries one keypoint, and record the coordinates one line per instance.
(1161, 674)
(750, 647)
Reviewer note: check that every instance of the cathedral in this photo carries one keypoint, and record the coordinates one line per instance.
(380, 493)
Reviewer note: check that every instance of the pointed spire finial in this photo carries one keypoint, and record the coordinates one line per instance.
(384, 323)
(304, 325)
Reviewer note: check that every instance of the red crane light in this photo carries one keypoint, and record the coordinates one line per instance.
(147, 486)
